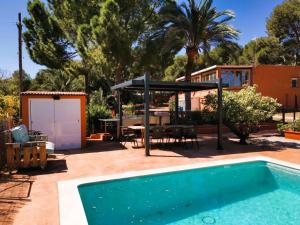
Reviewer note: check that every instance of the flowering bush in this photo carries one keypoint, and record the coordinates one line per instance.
(244, 110)
(9, 107)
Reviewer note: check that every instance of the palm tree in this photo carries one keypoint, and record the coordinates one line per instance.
(196, 27)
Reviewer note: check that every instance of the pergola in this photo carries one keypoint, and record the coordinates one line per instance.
(144, 84)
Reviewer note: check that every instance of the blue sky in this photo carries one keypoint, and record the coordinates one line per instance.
(250, 20)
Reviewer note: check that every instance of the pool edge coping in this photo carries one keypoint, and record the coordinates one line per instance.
(68, 194)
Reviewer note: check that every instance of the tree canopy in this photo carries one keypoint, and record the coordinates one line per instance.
(106, 33)
(264, 50)
(284, 23)
(176, 70)
(195, 26)
(90, 45)
(45, 40)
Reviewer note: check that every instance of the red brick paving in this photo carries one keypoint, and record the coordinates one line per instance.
(41, 207)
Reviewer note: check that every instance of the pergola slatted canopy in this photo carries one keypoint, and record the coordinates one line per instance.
(143, 83)
(166, 86)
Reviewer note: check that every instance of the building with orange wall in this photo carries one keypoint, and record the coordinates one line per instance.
(277, 81)
(59, 115)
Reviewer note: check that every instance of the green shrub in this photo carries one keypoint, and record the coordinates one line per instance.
(129, 109)
(98, 112)
(281, 127)
(203, 117)
(209, 117)
(294, 126)
(196, 117)
(98, 109)
(9, 107)
(244, 110)
(172, 104)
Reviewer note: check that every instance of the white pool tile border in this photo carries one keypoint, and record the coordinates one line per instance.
(71, 210)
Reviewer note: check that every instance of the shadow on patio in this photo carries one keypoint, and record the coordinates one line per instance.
(15, 192)
(260, 142)
(207, 148)
(103, 158)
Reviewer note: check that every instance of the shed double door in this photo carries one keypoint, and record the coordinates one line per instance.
(59, 119)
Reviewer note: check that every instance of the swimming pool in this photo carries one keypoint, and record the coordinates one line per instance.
(258, 191)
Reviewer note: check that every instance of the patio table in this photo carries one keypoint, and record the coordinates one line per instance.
(142, 129)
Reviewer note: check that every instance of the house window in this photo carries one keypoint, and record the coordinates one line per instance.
(228, 77)
(212, 77)
(238, 79)
(294, 82)
(245, 77)
(208, 77)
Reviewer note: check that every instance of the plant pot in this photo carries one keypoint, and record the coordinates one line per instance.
(295, 135)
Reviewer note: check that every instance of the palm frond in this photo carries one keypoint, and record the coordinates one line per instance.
(198, 25)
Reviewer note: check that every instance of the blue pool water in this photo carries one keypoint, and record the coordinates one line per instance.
(254, 193)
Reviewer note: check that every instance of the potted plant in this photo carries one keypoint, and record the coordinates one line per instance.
(291, 130)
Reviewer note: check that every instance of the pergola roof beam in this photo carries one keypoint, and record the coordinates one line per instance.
(138, 84)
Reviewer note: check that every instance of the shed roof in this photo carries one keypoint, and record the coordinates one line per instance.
(52, 93)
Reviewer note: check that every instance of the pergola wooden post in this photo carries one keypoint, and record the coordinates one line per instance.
(176, 108)
(120, 114)
(146, 115)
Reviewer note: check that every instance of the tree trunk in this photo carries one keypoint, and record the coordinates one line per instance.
(191, 54)
(119, 74)
(119, 79)
(241, 135)
(243, 141)
(87, 91)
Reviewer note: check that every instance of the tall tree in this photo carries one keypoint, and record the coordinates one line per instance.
(109, 33)
(264, 50)
(284, 23)
(45, 40)
(177, 69)
(119, 33)
(57, 80)
(9, 85)
(195, 27)
(226, 53)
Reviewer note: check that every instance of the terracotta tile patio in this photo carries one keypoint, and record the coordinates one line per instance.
(30, 197)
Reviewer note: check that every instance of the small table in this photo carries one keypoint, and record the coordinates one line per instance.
(142, 129)
(111, 120)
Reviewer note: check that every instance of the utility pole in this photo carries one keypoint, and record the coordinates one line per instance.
(19, 25)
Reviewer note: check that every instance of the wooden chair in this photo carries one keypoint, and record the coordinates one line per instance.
(21, 135)
(27, 149)
(32, 154)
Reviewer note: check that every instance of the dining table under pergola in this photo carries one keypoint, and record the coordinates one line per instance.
(144, 84)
